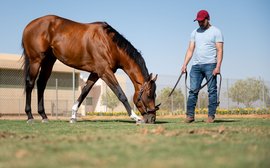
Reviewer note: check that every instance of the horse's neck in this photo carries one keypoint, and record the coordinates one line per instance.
(137, 76)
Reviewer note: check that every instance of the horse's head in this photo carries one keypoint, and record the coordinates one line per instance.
(145, 100)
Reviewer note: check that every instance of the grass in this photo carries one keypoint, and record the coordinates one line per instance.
(230, 142)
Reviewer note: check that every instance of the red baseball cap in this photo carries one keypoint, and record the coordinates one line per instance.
(201, 15)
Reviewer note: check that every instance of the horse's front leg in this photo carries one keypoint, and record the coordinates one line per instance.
(112, 82)
(93, 77)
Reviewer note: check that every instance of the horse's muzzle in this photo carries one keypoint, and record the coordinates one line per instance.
(150, 116)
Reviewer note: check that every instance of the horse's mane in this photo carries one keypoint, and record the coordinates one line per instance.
(131, 51)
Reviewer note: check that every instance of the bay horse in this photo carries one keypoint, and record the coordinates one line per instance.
(93, 47)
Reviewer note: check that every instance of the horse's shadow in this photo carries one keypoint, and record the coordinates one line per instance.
(120, 121)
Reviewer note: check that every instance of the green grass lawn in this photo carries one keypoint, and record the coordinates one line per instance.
(227, 143)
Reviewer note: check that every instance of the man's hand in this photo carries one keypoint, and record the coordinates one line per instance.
(216, 71)
(183, 69)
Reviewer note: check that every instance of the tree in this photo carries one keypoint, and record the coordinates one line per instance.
(175, 102)
(248, 91)
(109, 99)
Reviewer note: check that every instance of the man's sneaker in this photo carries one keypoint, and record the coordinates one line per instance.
(210, 119)
(189, 119)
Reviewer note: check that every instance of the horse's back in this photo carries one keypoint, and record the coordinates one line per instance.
(40, 33)
(47, 27)
(48, 23)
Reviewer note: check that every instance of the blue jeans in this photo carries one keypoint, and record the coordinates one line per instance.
(197, 74)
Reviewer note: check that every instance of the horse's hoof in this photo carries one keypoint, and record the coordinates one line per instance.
(140, 122)
(72, 120)
(45, 121)
(30, 121)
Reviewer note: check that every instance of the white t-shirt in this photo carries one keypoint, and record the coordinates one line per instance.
(205, 45)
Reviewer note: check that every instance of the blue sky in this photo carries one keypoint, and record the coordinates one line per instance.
(160, 29)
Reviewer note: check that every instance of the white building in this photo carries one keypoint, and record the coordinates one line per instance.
(12, 97)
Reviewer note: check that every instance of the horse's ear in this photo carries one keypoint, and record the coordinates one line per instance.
(150, 77)
(153, 78)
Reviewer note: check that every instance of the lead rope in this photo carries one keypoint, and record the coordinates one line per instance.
(198, 89)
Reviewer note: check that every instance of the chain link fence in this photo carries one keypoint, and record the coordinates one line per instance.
(261, 96)
(59, 95)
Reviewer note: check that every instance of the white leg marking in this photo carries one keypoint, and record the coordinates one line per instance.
(74, 110)
(134, 116)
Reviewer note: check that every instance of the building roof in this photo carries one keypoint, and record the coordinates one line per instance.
(14, 61)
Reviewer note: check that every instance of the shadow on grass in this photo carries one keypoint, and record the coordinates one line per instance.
(121, 121)
(157, 122)
(226, 120)
(219, 121)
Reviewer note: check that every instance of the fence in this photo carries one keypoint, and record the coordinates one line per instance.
(59, 95)
(58, 101)
(226, 101)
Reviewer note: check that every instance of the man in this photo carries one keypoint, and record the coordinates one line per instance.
(206, 44)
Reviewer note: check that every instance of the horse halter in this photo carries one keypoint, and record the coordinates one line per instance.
(141, 92)
(142, 89)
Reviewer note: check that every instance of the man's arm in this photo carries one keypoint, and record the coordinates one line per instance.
(188, 56)
(219, 47)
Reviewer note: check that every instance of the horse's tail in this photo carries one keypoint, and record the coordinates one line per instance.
(26, 66)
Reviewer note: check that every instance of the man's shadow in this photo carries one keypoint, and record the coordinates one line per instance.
(221, 121)
(226, 120)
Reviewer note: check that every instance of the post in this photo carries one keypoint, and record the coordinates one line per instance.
(66, 108)
(73, 84)
(199, 101)
(56, 96)
(228, 100)
(52, 107)
(263, 94)
(185, 99)
(19, 107)
(106, 97)
(172, 103)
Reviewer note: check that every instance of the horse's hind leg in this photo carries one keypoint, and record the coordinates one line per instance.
(93, 77)
(30, 78)
(45, 72)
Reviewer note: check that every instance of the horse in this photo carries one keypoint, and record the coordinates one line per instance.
(92, 47)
